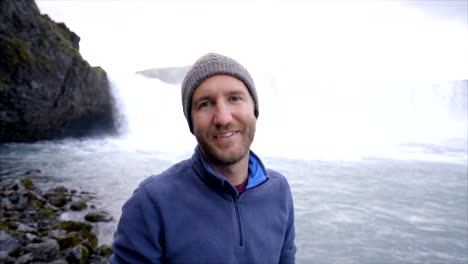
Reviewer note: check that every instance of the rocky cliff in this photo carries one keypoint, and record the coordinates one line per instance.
(47, 90)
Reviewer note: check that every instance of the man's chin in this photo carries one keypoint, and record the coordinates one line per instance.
(224, 158)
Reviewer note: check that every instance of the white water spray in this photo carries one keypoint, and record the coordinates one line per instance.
(306, 119)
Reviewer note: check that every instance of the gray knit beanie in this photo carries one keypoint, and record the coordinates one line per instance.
(207, 66)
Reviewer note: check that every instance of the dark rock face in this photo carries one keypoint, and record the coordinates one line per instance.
(47, 90)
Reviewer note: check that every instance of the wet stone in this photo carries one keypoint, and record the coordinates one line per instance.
(26, 258)
(45, 250)
(58, 201)
(31, 230)
(32, 238)
(7, 242)
(57, 233)
(25, 228)
(78, 205)
(99, 216)
(6, 203)
(78, 254)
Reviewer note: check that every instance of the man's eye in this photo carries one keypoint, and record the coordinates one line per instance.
(204, 104)
(235, 98)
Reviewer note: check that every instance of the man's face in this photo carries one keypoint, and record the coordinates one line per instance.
(223, 119)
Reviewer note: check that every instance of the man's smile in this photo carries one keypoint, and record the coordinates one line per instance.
(226, 134)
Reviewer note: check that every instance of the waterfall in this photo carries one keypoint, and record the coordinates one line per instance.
(302, 117)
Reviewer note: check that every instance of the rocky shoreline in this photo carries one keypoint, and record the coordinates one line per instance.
(32, 228)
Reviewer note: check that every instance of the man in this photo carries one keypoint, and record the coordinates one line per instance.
(221, 205)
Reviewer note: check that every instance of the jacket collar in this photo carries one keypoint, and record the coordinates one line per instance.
(257, 172)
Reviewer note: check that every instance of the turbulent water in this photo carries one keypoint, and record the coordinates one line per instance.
(388, 190)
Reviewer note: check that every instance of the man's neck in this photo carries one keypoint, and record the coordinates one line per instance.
(235, 173)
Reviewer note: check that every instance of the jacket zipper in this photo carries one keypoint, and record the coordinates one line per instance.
(239, 225)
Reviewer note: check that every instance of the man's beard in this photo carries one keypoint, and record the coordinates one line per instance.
(217, 156)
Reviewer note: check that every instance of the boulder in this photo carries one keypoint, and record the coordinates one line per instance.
(98, 216)
(44, 251)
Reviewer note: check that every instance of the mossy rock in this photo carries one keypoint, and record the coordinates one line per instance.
(35, 204)
(45, 213)
(28, 184)
(78, 205)
(84, 255)
(4, 225)
(8, 225)
(59, 189)
(105, 251)
(40, 61)
(70, 240)
(99, 216)
(75, 226)
(58, 200)
(78, 254)
(41, 233)
(83, 228)
(92, 238)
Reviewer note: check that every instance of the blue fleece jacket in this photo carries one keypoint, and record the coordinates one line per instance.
(189, 214)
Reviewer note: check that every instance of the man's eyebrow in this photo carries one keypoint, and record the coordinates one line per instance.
(236, 91)
(201, 98)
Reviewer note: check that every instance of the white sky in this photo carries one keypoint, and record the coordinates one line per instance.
(325, 61)
(377, 39)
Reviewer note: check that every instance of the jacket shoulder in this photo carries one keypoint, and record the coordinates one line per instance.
(174, 180)
(277, 176)
(169, 175)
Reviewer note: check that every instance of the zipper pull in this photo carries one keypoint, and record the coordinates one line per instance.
(234, 198)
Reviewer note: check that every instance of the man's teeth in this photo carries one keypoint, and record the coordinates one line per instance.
(225, 135)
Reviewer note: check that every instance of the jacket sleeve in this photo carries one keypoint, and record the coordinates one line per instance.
(288, 252)
(139, 232)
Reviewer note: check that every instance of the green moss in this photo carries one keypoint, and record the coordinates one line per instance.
(7, 225)
(20, 48)
(92, 238)
(78, 206)
(100, 71)
(105, 251)
(77, 232)
(60, 190)
(58, 201)
(27, 183)
(62, 40)
(36, 203)
(84, 256)
(12, 51)
(72, 239)
(76, 226)
(45, 213)
(45, 61)
(4, 225)
(44, 43)
(83, 228)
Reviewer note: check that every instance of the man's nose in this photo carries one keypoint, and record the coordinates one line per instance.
(222, 115)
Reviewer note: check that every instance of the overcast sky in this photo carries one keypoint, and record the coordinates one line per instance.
(409, 39)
